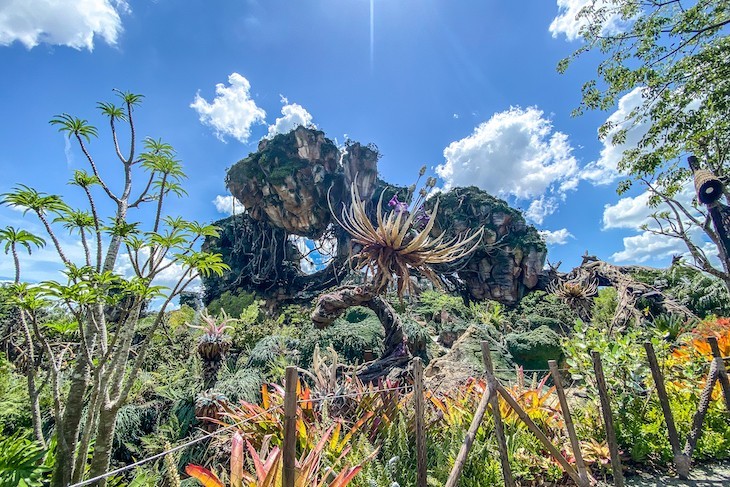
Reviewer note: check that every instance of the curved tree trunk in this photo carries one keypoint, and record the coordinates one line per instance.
(331, 306)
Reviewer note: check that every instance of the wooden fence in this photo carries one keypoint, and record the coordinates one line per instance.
(489, 402)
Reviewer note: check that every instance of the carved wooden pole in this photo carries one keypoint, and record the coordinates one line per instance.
(469, 439)
(618, 475)
(574, 443)
(421, 460)
(699, 417)
(290, 427)
(681, 461)
(535, 430)
(497, 415)
(722, 376)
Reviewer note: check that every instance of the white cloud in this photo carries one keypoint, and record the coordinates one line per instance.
(629, 212)
(646, 245)
(515, 153)
(293, 115)
(570, 23)
(634, 213)
(73, 24)
(233, 112)
(556, 237)
(228, 204)
(540, 208)
(605, 169)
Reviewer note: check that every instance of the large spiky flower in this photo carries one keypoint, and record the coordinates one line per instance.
(576, 294)
(213, 344)
(399, 244)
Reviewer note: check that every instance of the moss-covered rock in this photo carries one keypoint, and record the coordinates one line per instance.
(511, 255)
(532, 349)
(286, 181)
(359, 331)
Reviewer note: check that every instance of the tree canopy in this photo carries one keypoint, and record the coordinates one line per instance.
(675, 54)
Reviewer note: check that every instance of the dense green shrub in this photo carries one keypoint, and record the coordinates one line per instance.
(232, 304)
(20, 462)
(432, 302)
(541, 304)
(358, 331)
(14, 414)
(532, 349)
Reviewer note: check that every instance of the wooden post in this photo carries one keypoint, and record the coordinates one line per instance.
(699, 417)
(539, 434)
(722, 376)
(681, 462)
(497, 415)
(290, 427)
(618, 475)
(469, 439)
(421, 460)
(574, 443)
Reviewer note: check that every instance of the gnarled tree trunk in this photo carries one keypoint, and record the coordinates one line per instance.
(332, 305)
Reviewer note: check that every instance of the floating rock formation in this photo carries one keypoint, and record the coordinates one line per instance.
(511, 256)
(288, 187)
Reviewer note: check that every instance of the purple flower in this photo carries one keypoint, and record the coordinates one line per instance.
(398, 206)
(421, 219)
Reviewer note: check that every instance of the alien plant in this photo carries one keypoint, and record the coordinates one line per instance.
(213, 344)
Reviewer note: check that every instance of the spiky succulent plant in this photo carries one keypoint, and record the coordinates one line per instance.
(208, 406)
(577, 295)
(401, 243)
(213, 344)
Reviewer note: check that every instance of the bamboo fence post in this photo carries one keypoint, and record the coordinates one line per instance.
(681, 462)
(574, 443)
(497, 415)
(290, 427)
(539, 434)
(421, 460)
(699, 417)
(469, 439)
(724, 382)
(618, 476)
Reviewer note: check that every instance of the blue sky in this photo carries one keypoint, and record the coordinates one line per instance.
(468, 87)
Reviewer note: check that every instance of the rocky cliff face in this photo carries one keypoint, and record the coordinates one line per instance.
(512, 254)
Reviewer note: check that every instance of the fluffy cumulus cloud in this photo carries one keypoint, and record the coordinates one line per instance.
(630, 212)
(292, 116)
(569, 22)
(556, 237)
(646, 245)
(540, 208)
(74, 24)
(515, 153)
(232, 112)
(228, 205)
(605, 169)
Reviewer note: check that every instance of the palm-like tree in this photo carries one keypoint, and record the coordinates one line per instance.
(42, 205)
(14, 237)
